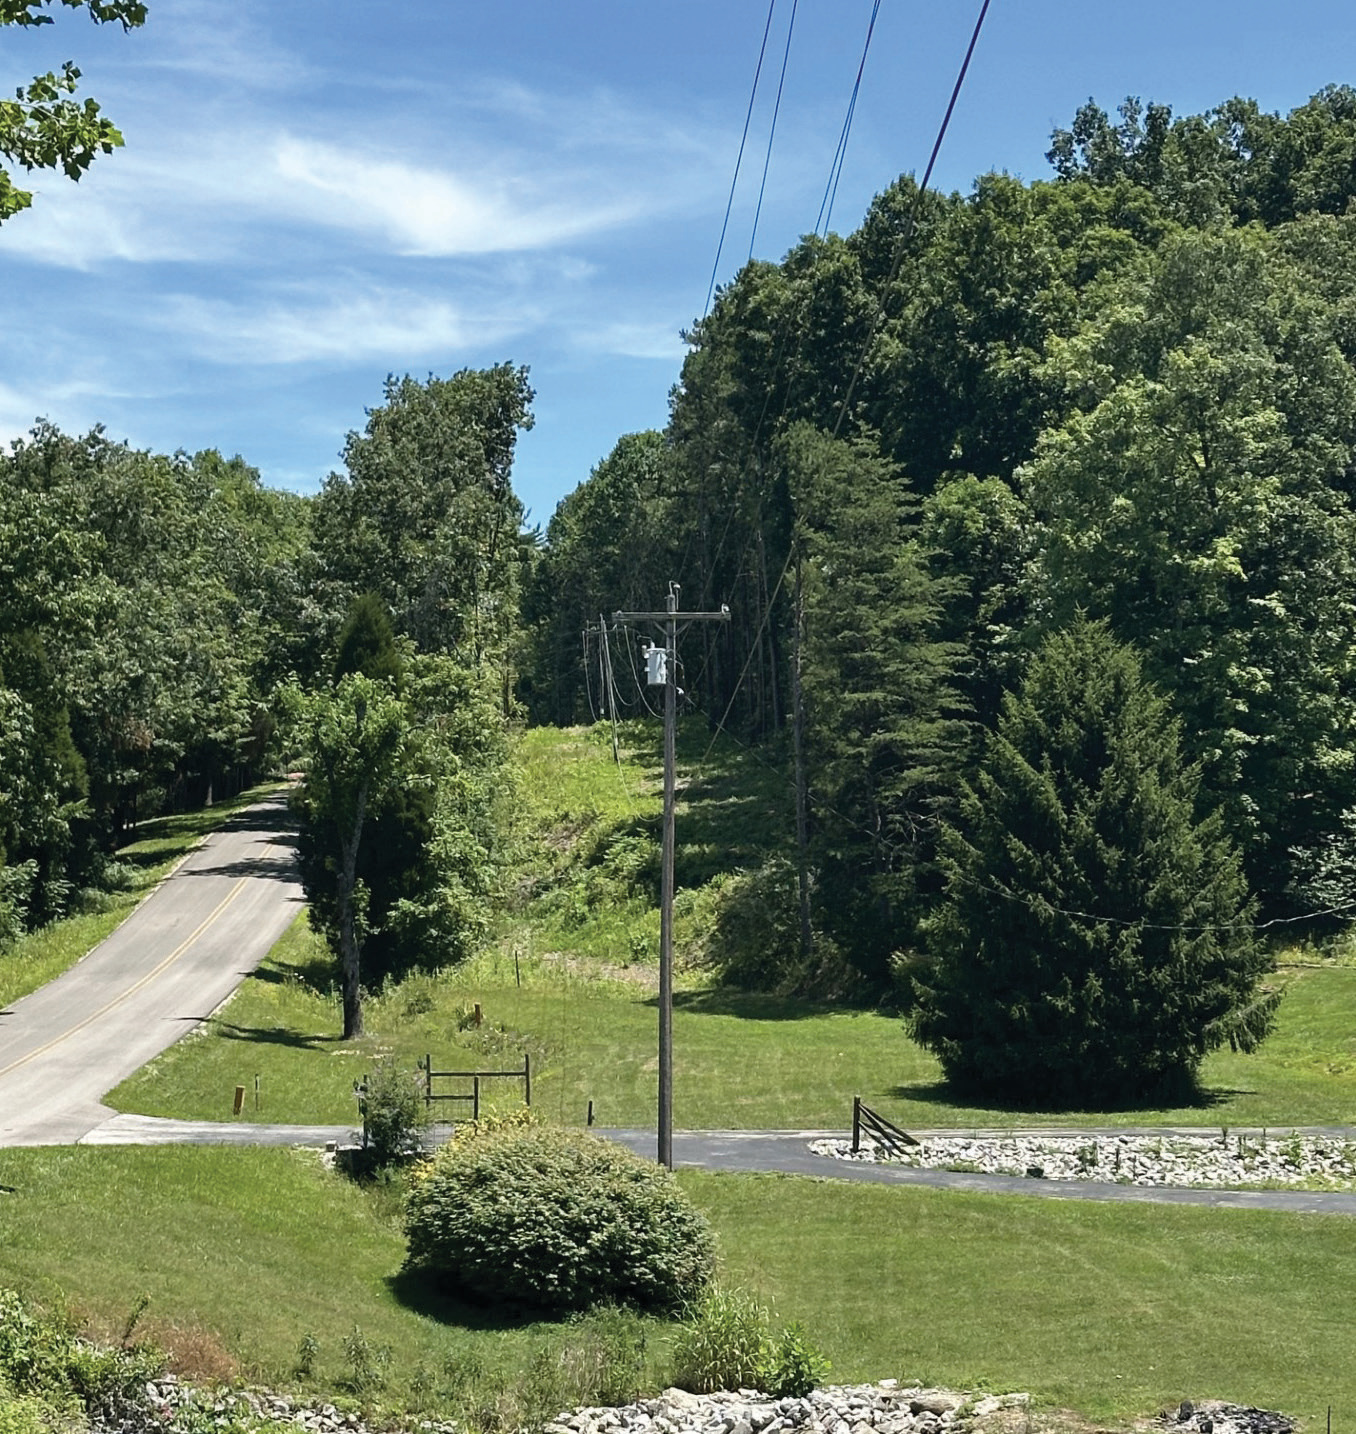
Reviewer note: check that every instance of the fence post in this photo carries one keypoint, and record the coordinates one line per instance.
(475, 1097)
(428, 1080)
(856, 1124)
(527, 1078)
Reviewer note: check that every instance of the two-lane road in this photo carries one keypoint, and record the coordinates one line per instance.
(167, 967)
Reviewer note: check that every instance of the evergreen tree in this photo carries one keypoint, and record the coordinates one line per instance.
(1097, 940)
(367, 643)
(882, 741)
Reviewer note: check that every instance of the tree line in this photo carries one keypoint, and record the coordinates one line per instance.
(1112, 408)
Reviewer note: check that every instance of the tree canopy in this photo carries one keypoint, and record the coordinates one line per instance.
(44, 126)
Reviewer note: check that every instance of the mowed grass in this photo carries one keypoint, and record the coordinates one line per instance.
(571, 982)
(159, 844)
(1114, 1311)
(741, 1061)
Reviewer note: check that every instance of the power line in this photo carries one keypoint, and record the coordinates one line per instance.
(912, 219)
(772, 132)
(1041, 903)
(840, 154)
(739, 159)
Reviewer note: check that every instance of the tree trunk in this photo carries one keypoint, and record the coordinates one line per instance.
(802, 795)
(350, 949)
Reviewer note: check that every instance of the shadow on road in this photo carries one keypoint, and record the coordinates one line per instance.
(271, 868)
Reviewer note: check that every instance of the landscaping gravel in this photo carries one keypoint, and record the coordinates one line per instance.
(1222, 1161)
(884, 1408)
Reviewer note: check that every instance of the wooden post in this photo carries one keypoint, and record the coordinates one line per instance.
(256, 1092)
(477, 1016)
(590, 1112)
(527, 1079)
(856, 1124)
(239, 1099)
(475, 1097)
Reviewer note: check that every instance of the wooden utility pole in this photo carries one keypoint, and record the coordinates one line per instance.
(669, 620)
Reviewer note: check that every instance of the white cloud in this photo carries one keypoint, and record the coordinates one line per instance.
(654, 340)
(396, 326)
(423, 210)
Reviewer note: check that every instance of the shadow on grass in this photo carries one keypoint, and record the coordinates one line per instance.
(754, 1005)
(274, 1036)
(423, 1295)
(317, 976)
(1182, 1096)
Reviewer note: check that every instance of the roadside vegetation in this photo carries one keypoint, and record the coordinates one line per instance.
(571, 976)
(155, 847)
(264, 1262)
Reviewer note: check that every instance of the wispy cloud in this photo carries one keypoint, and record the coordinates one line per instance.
(641, 340)
(397, 326)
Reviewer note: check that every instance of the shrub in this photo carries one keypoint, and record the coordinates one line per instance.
(393, 1114)
(792, 1367)
(557, 1220)
(43, 1359)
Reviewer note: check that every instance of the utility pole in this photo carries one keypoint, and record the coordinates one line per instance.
(669, 620)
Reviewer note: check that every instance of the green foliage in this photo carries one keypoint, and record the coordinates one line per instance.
(42, 127)
(426, 511)
(883, 745)
(367, 643)
(726, 1342)
(393, 1112)
(721, 1343)
(556, 1220)
(792, 1366)
(1097, 940)
(55, 1372)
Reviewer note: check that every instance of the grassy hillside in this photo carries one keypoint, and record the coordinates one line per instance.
(571, 980)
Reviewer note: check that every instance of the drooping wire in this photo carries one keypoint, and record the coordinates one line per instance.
(898, 260)
(772, 132)
(840, 154)
(907, 232)
(739, 159)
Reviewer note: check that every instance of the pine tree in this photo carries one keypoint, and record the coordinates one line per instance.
(1097, 939)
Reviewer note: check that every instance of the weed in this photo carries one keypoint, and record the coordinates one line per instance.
(366, 1362)
(308, 1351)
(721, 1343)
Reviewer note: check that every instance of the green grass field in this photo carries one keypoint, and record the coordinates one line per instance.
(1110, 1310)
(1113, 1311)
(740, 1060)
(160, 843)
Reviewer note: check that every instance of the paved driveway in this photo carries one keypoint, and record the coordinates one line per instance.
(167, 967)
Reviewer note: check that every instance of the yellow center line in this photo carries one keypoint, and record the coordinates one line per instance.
(133, 989)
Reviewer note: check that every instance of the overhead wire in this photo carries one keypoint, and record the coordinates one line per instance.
(739, 158)
(898, 259)
(912, 218)
(840, 154)
(772, 131)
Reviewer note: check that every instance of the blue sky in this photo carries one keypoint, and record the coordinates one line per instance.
(315, 195)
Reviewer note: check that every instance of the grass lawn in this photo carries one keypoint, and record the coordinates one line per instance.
(159, 843)
(571, 982)
(741, 1060)
(1110, 1310)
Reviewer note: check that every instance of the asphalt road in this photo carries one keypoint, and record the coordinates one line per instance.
(166, 968)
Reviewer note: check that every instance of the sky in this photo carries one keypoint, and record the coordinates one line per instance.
(315, 195)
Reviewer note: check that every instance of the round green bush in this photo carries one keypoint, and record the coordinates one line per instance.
(558, 1220)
